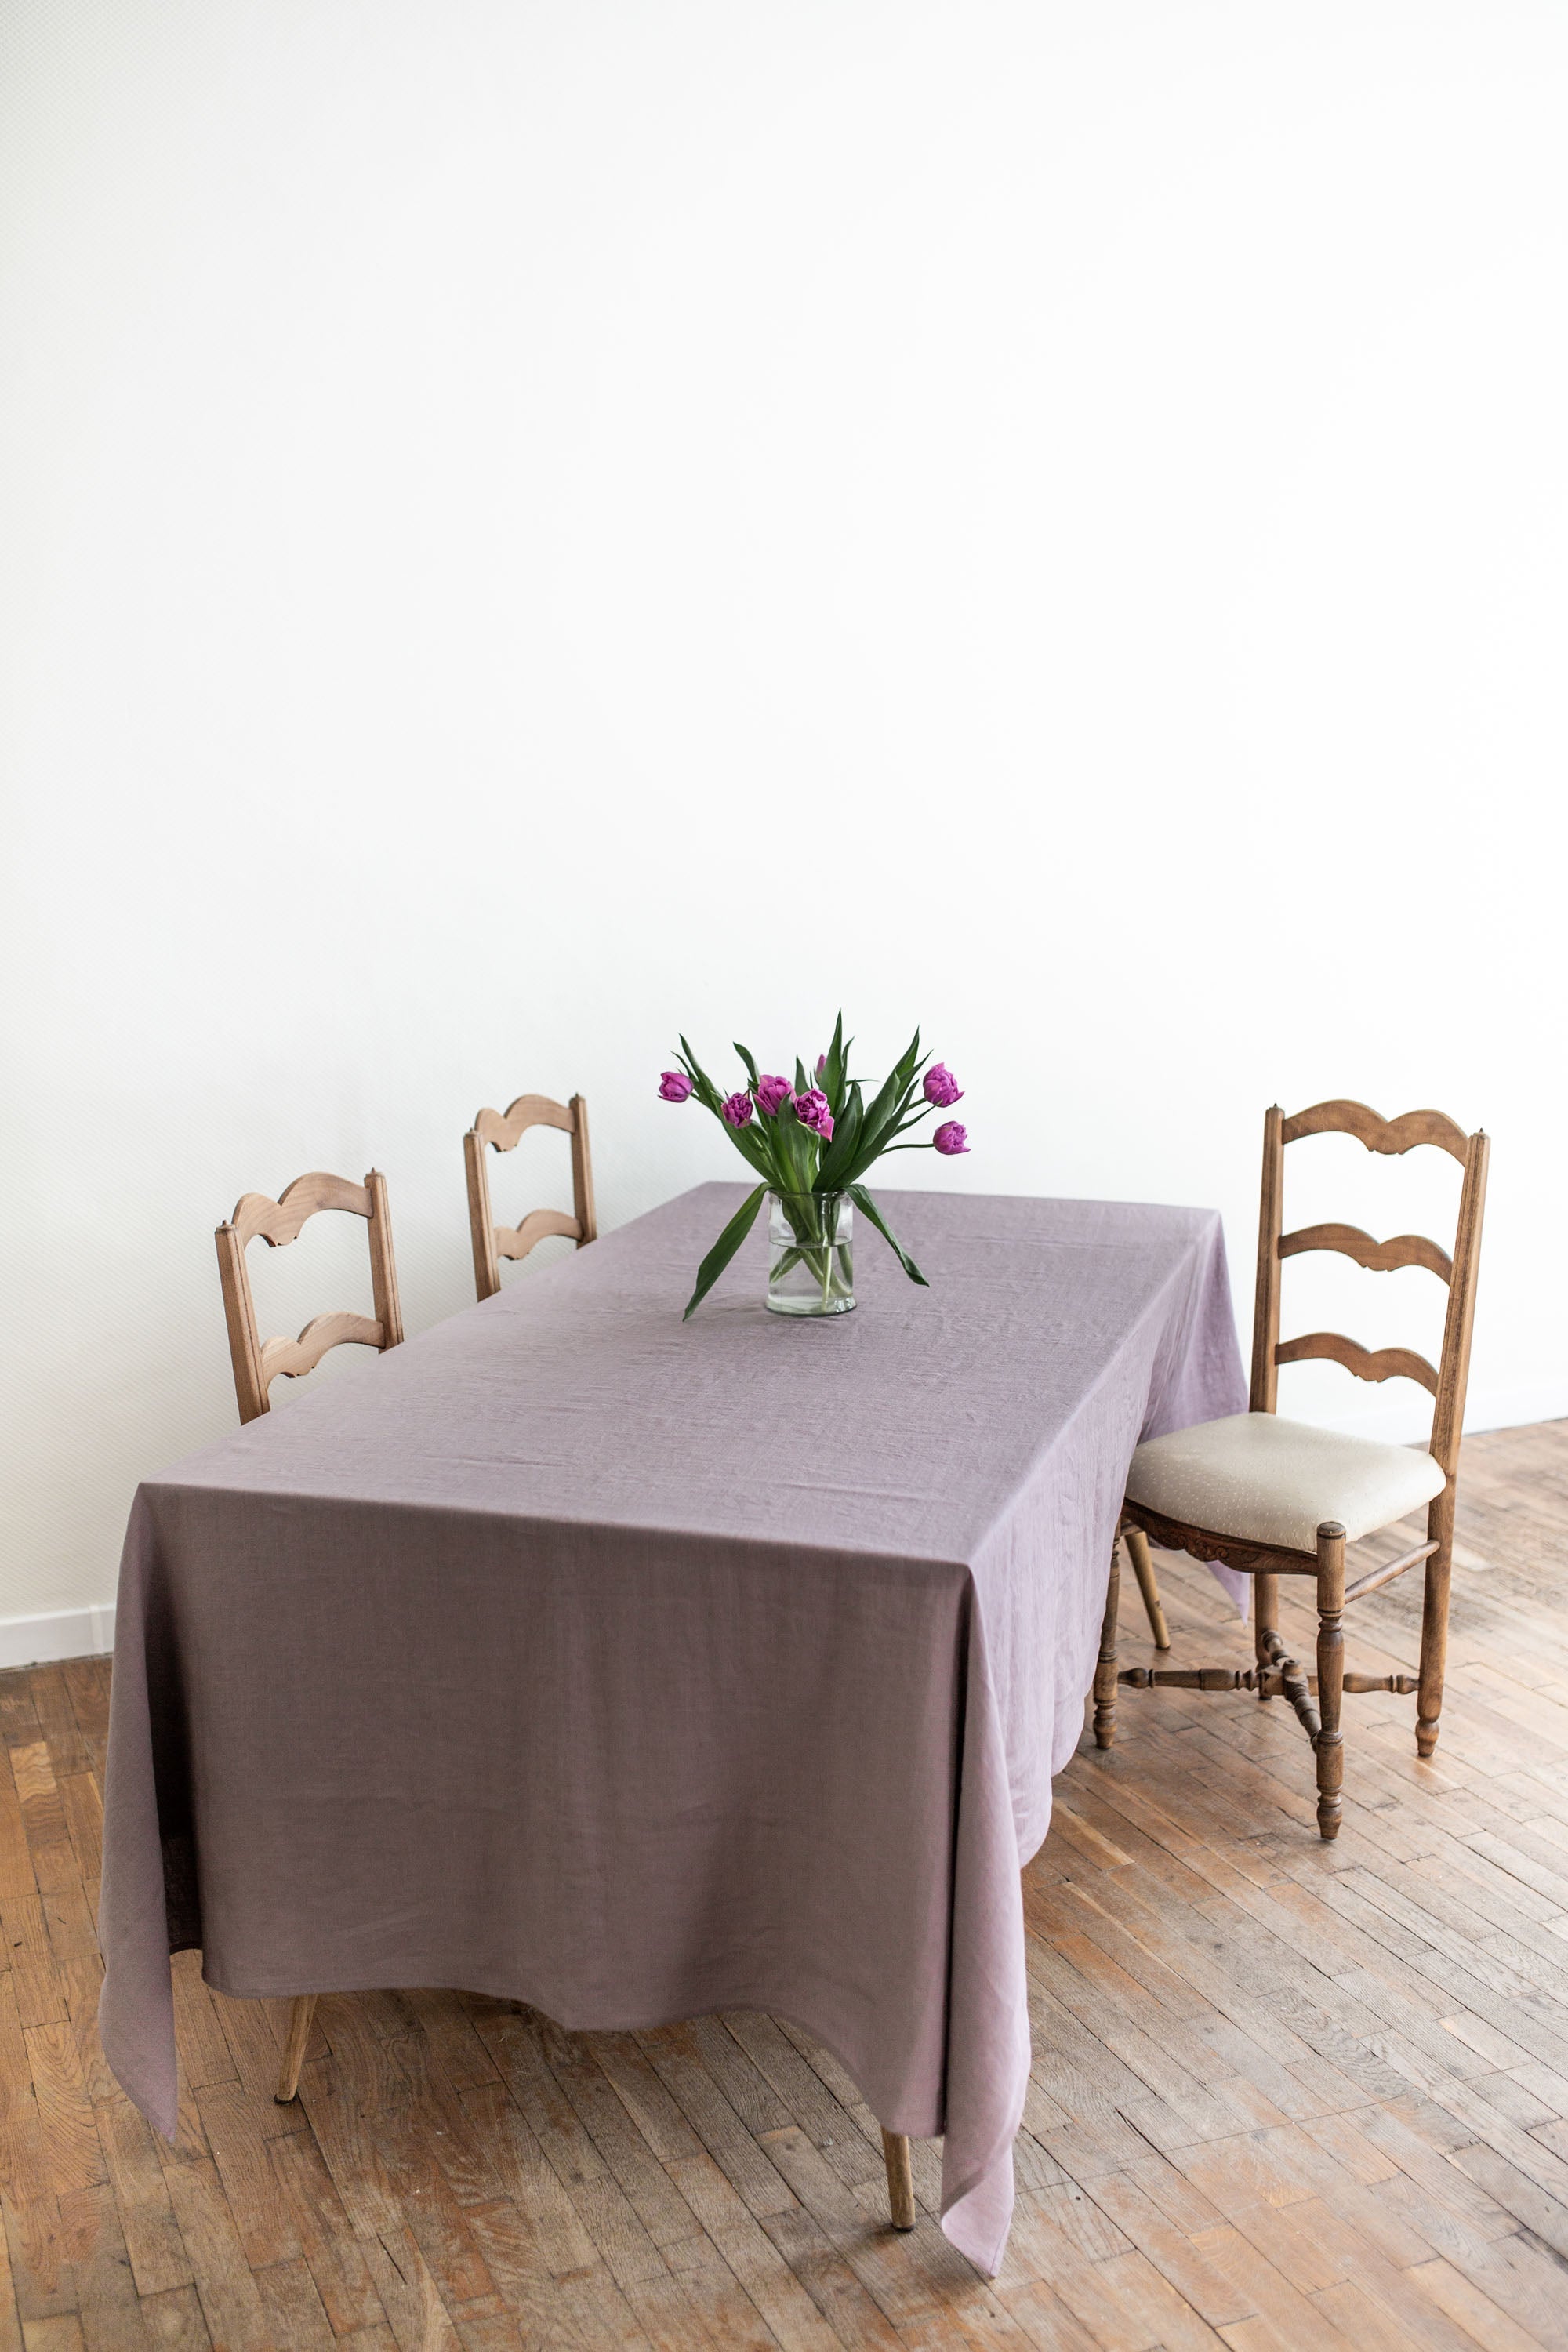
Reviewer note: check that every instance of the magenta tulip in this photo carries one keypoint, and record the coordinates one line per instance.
(951, 1140)
(812, 1111)
(773, 1094)
(737, 1110)
(941, 1088)
(674, 1086)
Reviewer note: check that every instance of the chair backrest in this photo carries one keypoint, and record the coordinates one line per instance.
(1447, 1380)
(257, 1363)
(503, 1130)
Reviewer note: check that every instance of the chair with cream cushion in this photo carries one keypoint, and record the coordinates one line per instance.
(1276, 1497)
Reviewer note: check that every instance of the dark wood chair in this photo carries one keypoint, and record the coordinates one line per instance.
(1276, 1497)
(258, 1362)
(503, 1131)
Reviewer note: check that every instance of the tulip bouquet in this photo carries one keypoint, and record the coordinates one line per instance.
(812, 1142)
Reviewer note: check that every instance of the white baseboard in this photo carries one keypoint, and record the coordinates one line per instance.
(1407, 1419)
(57, 1633)
(1516, 1408)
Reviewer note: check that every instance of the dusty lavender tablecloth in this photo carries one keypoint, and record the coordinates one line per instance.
(641, 1670)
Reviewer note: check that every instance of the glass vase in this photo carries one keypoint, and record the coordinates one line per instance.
(811, 1264)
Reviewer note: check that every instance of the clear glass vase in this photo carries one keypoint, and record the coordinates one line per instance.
(811, 1263)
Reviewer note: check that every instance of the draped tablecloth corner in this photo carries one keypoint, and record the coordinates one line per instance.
(641, 1670)
(136, 2019)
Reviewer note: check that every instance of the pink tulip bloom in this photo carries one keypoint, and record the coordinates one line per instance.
(941, 1088)
(773, 1094)
(952, 1139)
(737, 1110)
(674, 1086)
(812, 1111)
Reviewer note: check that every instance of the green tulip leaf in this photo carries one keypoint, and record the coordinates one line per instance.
(839, 1159)
(833, 1077)
(724, 1248)
(863, 1201)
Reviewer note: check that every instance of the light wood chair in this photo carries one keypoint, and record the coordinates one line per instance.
(503, 1131)
(1275, 1497)
(257, 1363)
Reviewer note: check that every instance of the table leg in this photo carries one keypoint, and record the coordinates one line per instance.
(900, 2179)
(1148, 1585)
(299, 2017)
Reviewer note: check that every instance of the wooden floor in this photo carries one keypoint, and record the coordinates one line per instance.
(1284, 2094)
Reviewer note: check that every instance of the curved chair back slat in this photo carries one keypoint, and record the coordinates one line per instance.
(1393, 1136)
(1388, 1364)
(507, 1129)
(1378, 1257)
(283, 1219)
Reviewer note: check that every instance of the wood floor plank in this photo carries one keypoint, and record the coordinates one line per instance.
(723, 2130)
(10, 2316)
(37, 1984)
(333, 2255)
(15, 1859)
(241, 2149)
(418, 2319)
(516, 2260)
(791, 2313)
(159, 2262)
(230, 2302)
(43, 2279)
(644, 2181)
(531, 2181)
(175, 2320)
(65, 2122)
(111, 2311)
(293, 2310)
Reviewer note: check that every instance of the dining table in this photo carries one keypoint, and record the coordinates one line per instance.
(641, 1669)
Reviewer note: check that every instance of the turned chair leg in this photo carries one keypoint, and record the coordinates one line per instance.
(1105, 1672)
(1330, 1741)
(1434, 1621)
(300, 2016)
(1143, 1570)
(1264, 1625)
(900, 2179)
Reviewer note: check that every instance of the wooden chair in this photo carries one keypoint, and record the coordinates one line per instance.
(257, 1363)
(503, 1130)
(1276, 1497)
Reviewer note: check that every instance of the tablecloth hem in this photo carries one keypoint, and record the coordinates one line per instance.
(915, 2124)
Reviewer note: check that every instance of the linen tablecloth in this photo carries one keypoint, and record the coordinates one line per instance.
(639, 1670)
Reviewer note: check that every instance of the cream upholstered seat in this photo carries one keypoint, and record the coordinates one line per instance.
(1270, 1481)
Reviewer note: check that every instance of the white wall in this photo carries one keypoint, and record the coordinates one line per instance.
(530, 527)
